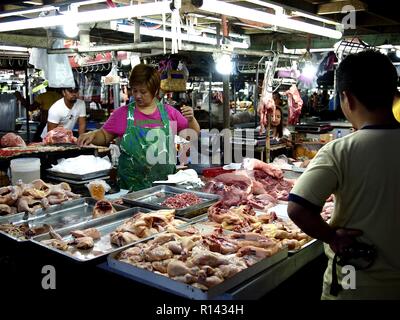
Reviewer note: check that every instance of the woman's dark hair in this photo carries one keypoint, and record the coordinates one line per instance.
(279, 127)
(143, 74)
(370, 76)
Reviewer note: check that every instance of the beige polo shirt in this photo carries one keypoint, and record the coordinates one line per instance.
(363, 171)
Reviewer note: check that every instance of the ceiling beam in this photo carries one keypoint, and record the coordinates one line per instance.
(336, 7)
(297, 4)
(371, 19)
(384, 9)
(24, 41)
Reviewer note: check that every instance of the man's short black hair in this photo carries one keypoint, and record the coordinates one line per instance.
(370, 76)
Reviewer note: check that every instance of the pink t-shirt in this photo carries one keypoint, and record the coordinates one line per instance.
(116, 123)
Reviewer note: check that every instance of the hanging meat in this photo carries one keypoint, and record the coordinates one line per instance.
(12, 140)
(266, 105)
(295, 104)
(59, 135)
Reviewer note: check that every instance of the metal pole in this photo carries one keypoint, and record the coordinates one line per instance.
(234, 95)
(255, 99)
(136, 35)
(28, 138)
(209, 100)
(268, 141)
(115, 86)
(226, 111)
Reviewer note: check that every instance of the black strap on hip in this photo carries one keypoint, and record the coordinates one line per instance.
(335, 286)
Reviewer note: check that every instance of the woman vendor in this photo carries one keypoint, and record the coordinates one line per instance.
(146, 128)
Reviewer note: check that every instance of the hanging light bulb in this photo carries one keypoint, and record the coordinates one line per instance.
(223, 64)
(71, 30)
(309, 71)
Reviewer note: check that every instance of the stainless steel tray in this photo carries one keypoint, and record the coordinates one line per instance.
(153, 197)
(164, 283)
(69, 213)
(79, 177)
(102, 246)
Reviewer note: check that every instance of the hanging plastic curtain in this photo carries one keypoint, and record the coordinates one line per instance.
(176, 27)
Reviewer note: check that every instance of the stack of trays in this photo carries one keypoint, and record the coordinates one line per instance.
(78, 181)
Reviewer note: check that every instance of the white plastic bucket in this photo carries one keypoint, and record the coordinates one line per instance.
(25, 169)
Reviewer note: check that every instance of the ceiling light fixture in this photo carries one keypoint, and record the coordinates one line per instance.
(146, 9)
(168, 34)
(316, 18)
(71, 29)
(283, 21)
(223, 63)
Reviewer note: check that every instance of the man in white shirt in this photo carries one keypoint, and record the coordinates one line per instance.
(66, 112)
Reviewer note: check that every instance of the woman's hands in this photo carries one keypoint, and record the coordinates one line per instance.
(86, 138)
(187, 112)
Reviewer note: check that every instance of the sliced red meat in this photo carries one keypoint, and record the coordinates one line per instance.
(59, 135)
(12, 140)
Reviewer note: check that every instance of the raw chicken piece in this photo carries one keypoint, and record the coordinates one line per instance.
(9, 195)
(103, 208)
(177, 268)
(83, 243)
(55, 243)
(158, 254)
(121, 239)
(91, 232)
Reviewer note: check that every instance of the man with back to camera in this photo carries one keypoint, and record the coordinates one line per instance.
(362, 171)
(67, 111)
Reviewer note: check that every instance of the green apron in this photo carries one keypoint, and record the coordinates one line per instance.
(136, 169)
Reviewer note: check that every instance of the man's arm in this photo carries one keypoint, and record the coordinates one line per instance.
(51, 126)
(82, 125)
(310, 222)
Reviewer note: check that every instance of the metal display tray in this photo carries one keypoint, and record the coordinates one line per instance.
(66, 214)
(153, 197)
(102, 247)
(80, 177)
(76, 182)
(182, 289)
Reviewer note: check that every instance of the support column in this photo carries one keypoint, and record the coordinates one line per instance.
(227, 111)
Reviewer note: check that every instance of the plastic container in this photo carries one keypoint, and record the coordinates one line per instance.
(25, 169)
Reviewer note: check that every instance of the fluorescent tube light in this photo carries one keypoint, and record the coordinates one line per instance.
(168, 34)
(12, 48)
(316, 18)
(284, 21)
(125, 12)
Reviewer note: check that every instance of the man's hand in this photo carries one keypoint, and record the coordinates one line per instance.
(187, 112)
(343, 238)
